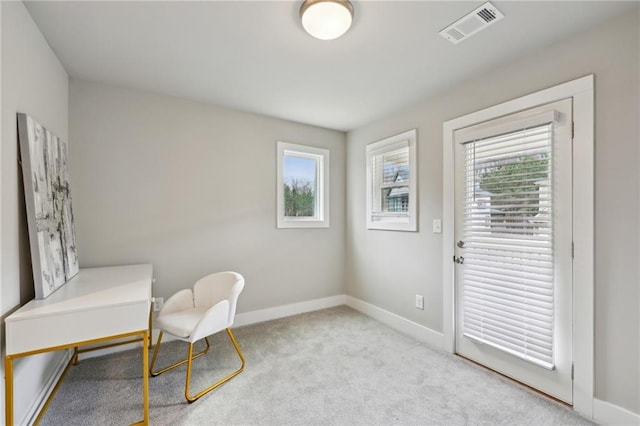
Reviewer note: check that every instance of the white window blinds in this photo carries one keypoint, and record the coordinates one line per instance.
(507, 275)
(391, 180)
(391, 183)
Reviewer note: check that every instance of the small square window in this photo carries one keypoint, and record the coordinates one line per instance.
(303, 186)
(391, 183)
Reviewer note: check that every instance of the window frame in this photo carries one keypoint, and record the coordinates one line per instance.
(392, 221)
(322, 158)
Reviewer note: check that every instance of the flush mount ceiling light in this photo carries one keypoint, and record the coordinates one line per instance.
(326, 19)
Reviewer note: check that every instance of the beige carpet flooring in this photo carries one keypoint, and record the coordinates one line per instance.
(330, 367)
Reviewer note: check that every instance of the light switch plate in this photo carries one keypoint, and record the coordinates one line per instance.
(419, 301)
(437, 226)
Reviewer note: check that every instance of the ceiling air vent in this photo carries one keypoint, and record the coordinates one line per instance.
(470, 24)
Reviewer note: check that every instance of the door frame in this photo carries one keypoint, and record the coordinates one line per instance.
(582, 92)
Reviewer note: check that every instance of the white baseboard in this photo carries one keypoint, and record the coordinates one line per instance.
(268, 314)
(413, 329)
(605, 413)
(44, 392)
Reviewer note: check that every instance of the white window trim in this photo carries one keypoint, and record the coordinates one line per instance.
(390, 221)
(582, 92)
(321, 155)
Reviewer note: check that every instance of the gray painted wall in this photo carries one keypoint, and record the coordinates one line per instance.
(33, 81)
(191, 188)
(387, 269)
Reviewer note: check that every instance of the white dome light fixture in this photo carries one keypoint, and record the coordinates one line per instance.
(326, 19)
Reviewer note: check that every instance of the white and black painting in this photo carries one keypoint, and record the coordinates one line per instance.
(48, 200)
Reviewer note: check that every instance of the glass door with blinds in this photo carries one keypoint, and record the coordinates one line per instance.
(514, 246)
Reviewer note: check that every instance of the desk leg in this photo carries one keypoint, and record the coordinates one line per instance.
(8, 390)
(145, 375)
(145, 378)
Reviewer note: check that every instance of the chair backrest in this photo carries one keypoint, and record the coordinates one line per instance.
(209, 290)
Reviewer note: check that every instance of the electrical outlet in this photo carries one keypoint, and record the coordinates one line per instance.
(158, 302)
(419, 301)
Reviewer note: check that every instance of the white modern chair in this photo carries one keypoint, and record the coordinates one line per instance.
(194, 315)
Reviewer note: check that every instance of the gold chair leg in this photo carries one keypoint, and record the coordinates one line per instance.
(190, 398)
(177, 364)
(74, 358)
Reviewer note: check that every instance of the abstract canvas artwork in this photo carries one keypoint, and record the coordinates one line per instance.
(52, 238)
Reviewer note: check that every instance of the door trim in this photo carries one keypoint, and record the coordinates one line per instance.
(582, 92)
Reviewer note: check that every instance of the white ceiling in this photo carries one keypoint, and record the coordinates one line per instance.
(255, 56)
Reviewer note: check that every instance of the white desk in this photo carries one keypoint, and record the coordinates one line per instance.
(96, 305)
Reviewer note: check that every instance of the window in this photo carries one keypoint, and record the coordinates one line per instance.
(391, 183)
(303, 186)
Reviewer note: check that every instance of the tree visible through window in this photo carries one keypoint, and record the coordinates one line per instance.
(515, 190)
(300, 183)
